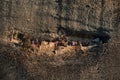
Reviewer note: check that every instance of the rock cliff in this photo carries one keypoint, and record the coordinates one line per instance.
(46, 16)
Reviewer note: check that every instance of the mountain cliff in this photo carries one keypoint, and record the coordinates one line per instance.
(99, 18)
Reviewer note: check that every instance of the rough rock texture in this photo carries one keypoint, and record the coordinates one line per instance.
(41, 16)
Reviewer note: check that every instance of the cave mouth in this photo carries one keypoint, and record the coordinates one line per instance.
(84, 34)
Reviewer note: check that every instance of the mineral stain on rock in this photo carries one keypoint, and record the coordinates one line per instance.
(93, 20)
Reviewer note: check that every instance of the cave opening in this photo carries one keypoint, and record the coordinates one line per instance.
(58, 1)
(88, 6)
(84, 34)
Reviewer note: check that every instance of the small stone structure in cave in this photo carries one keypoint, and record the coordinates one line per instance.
(86, 38)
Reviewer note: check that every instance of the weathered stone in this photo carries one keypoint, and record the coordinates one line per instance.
(38, 17)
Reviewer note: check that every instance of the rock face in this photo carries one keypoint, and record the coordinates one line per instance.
(46, 16)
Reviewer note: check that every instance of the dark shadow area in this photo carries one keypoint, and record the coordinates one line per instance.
(13, 63)
(58, 1)
(100, 33)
